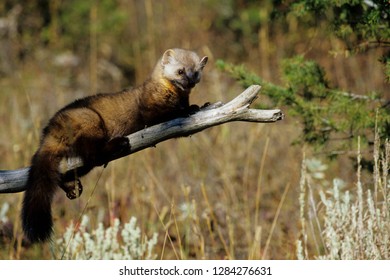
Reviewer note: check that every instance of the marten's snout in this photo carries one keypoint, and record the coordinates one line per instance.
(192, 78)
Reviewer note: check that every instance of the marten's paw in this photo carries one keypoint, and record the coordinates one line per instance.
(192, 109)
(195, 108)
(72, 189)
(117, 146)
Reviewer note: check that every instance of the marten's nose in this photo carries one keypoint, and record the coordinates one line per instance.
(193, 78)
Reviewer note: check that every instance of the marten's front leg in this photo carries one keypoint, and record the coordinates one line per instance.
(117, 146)
(113, 149)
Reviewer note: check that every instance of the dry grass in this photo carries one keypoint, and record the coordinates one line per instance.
(346, 223)
(230, 192)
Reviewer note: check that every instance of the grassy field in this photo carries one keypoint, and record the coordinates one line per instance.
(230, 192)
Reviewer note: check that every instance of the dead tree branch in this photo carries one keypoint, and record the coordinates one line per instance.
(218, 113)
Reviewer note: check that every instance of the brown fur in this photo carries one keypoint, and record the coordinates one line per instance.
(93, 128)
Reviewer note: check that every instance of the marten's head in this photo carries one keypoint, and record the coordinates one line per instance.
(181, 68)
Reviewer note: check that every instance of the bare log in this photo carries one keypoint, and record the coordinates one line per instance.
(218, 113)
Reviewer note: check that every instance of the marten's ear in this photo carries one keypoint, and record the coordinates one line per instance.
(168, 56)
(203, 62)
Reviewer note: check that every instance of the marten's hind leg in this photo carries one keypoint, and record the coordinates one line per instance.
(114, 148)
(73, 189)
(70, 181)
(85, 135)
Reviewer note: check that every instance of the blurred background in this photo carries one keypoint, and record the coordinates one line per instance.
(230, 192)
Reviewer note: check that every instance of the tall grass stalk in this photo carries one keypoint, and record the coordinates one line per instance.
(267, 244)
(167, 236)
(302, 241)
(210, 208)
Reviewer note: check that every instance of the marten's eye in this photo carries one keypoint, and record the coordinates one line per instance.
(180, 72)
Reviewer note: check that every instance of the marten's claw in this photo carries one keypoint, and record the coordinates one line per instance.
(207, 104)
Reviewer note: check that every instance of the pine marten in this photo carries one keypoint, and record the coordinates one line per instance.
(94, 128)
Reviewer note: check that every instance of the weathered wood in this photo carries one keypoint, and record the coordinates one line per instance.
(218, 113)
(12, 181)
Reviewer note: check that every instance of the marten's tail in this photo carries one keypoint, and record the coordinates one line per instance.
(42, 183)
